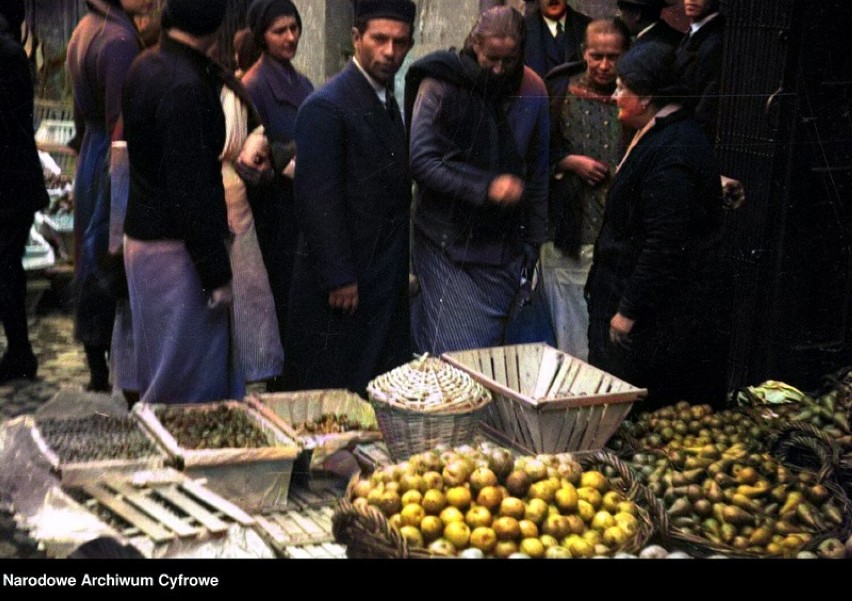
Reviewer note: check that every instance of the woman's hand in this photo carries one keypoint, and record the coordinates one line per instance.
(506, 190)
(586, 168)
(290, 170)
(221, 297)
(619, 330)
(344, 298)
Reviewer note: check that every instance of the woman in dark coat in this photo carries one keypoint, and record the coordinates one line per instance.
(655, 307)
(22, 191)
(277, 90)
(100, 52)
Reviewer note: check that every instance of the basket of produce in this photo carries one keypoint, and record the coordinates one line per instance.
(85, 447)
(425, 403)
(481, 502)
(724, 491)
(546, 400)
(324, 421)
(242, 454)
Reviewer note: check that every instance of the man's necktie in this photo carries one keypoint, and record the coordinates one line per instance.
(559, 29)
(391, 106)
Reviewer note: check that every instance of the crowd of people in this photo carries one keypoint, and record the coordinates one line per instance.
(272, 229)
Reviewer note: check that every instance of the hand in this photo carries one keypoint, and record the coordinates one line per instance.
(221, 297)
(344, 298)
(619, 330)
(733, 193)
(255, 175)
(586, 168)
(506, 190)
(290, 170)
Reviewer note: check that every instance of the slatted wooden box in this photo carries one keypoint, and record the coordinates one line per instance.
(545, 400)
(256, 479)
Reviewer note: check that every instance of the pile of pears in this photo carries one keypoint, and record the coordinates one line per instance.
(481, 502)
(718, 485)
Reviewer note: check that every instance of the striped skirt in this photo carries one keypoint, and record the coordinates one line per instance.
(182, 346)
(460, 305)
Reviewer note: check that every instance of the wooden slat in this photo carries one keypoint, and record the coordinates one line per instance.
(220, 504)
(587, 380)
(530, 359)
(592, 428)
(588, 401)
(295, 534)
(279, 538)
(605, 385)
(567, 422)
(581, 420)
(614, 416)
(568, 383)
(298, 553)
(335, 550)
(307, 525)
(305, 497)
(512, 368)
(529, 427)
(486, 365)
(559, 378)
(549, 368)
(150, 528)
(498, 362)
(155, 510)
(204, 517)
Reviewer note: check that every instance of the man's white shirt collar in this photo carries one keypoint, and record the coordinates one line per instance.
(699, 24)
(551, 24)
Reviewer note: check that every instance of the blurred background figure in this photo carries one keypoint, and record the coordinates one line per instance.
(277, 90)
(246, 51)
(100, 53)
(554, 34)
(586, 146)
(643, 19)
(22, 191)
(699, 60)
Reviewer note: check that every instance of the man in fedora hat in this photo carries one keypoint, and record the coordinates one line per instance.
(642, 18)
(348, 318)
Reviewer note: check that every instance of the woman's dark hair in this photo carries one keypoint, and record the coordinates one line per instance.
(246, 49)
(649, 70)
(262, 14)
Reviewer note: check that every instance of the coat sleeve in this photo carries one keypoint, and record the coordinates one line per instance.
(113, 65)
(667, 196)
(194, 183)
(320, 191)
(536, 187)
(436, 162)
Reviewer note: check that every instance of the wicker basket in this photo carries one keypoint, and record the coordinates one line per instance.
(367, 534)
(546, 400)
(426, 403)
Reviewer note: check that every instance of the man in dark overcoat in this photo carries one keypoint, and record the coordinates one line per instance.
(699, 60)
(22, 190)
(554, 35)
(348, 318)
(643, 19)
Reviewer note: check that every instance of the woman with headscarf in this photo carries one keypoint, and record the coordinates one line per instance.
(586, 146)
(277, 90)
(22, 191)
(101, 49)
(656, 308)
(479, 155)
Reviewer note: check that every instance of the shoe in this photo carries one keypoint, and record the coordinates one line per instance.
(14, 367)
(98, 387)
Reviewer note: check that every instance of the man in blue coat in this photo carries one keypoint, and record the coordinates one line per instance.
(348, 319)
(554, 35)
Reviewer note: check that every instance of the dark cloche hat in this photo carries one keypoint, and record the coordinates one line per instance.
(398, 10)
(195, 16)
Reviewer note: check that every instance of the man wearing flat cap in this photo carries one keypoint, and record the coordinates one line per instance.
(643, 19)
(348, 317)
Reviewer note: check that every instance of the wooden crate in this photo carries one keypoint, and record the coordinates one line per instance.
(163, 511)
(256, 479)
(546, 400)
